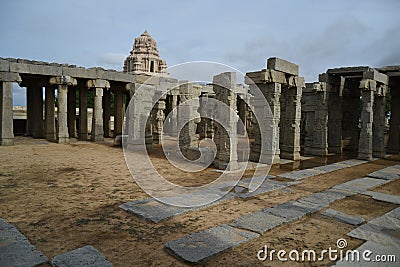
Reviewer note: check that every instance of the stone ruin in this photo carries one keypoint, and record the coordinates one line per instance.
(343, 111)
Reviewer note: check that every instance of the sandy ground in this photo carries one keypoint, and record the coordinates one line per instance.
(66, 196)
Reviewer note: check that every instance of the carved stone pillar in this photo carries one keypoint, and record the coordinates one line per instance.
(98, 86)
(106, 112)
(71, 112)
(367, 117)
(335, 113)
(320, 129)
(226, 139)
(118, 112)
(394, 130)
(6, 108)
(50, 119)
(378, 127)
(37, 108)
(62, 126)
(290, 138)
(83, 113)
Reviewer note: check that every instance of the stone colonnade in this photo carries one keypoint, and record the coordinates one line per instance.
(335, 116)
(345, 110)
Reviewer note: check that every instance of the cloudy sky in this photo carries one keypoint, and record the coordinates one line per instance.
(317, 35)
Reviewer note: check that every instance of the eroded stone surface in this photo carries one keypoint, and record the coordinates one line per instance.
(15, 248)
(267, 186)
(289, 211)
(352, 162)
(326, 197)
(389, 173)
(383, 197)
(298, 175)
(384, 230)
(350, 219)
(259, 222)
(360, 185)
(86, 256)
(155, 211)
(330, 167)
(200, 246)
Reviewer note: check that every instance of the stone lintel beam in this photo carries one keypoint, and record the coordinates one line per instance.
(10, 77)
(273, 76)
(373, 74)
(63, 80)
(282, 65)
(98, 83)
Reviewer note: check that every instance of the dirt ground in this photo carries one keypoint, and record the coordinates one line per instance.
(66, 196)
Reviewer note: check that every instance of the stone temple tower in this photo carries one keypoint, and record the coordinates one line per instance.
(144, 57)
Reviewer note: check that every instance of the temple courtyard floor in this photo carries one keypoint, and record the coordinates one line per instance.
(66, 196)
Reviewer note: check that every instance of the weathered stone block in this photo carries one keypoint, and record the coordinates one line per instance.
(301, 174)
(282, 65)
(10, 77)
(343, 217)
(4, 65)
(288, 210)
(15, 248)
(259, 222)
(35, 69)
(200, 246)
(82, 257)
(360, 185)
(383, 197)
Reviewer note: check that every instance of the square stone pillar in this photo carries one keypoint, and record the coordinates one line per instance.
(224, 86)
(37, 112)
(6, 114)
(106, 112)
(367, 118)
(29, 111)
(272, 92)
(118, 112)
(394, 125)
(174, 118)
(335, 113)
(351, 118)
(83, 114)
(378, 127)
(242, 116)
(71, 111)
(62, 83)
(319, 145)
(98, 86)
(187, 135)
(50, 119)
(290, 122)
(158, 117)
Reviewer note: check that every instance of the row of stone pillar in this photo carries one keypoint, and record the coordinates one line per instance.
(39, 126)
(336, 116)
